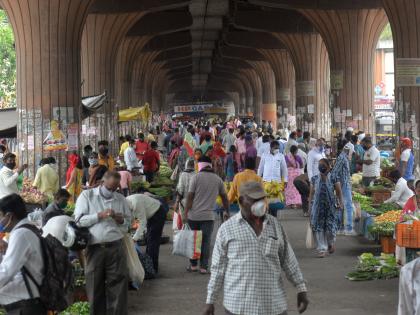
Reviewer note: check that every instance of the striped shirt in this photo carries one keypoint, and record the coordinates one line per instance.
(249, 267)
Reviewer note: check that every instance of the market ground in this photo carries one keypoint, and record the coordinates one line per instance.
(178, 292)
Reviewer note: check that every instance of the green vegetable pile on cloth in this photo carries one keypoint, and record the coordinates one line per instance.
(370, 267)
(382, 229)
(79, 308)
(365, 203)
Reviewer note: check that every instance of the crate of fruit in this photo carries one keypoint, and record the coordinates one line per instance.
(408, 235)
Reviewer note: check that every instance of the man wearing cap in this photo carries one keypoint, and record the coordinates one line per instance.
(249, 255)
(407, 160)
(341, 173)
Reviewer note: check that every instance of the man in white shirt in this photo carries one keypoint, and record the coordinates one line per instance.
(409, 295)
(130, 157)
(23, 250)
(314, 156)
(8, 175)
(149, 211)
(229, 140)
(107, 215)
(402, 192)
(273, 165)
(371, 162)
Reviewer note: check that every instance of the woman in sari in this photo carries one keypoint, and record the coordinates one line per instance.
(74, 184)
(294, 168)
(413, 203)
(324, 206)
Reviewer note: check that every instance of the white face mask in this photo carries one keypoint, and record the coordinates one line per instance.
(259, 208)
(276, 151)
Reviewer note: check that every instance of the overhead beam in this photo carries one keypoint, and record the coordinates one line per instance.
(157, 23)
(278, 21)
(320, 4)
(126, 6)
(168, 42)
(180, 63)
(261, 40)
(175, 54)
(241, 53)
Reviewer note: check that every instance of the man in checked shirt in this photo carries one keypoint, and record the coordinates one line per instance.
(250, 252)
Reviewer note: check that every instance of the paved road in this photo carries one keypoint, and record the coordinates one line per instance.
(178, 292)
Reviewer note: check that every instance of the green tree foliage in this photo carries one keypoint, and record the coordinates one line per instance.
(7, 63)
(386, 33)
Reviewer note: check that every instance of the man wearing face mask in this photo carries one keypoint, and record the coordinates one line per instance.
(371, 162)
(96, 171)
(56, 208)
(314, 156)
(273, 165)
(107, 215)
(104, 158)
(23, 250)
(249, 255)
(9, 176)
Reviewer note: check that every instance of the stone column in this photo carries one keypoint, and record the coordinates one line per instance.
(351, 37)
(268, 109)
(284, 71)
(47, 35)
(102, 36)
(404, 19)
(310, 58)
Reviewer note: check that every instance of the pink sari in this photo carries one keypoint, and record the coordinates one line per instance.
(294, 170)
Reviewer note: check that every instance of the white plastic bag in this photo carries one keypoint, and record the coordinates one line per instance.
(310, 242)
(134, 266)
(187, 243)
(35, 217)
(175, 173)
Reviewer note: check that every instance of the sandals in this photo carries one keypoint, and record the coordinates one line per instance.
(331, 249)
(321, 254)
(192, 269)
(204, 271)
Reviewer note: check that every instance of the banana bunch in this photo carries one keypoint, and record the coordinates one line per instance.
(274, 190)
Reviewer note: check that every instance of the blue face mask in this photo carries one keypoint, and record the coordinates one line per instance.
(321, 148)
(3, 225)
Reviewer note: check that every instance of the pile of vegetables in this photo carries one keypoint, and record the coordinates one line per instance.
(79, 308)
(30, 194)
(387, 164)
(370, 267)
(365, 203)
(135, 186)
(385, 223)
(385, 182)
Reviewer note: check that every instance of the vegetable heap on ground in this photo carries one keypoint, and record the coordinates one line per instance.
(366, 205)
(79, 308)
(274, 190)
(370, 267)
(30, 194)
(385, 223)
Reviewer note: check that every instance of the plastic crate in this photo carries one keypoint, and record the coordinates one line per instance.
(408, 235)
(388, 244)
(379, 197)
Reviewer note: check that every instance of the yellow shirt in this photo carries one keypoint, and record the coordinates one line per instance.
(46, 180)
(107, 161)
(238, 180)
(124, 146)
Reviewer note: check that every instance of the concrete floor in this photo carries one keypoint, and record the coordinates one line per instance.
(179, 292)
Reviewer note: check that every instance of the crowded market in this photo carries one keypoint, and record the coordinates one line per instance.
(209, 157)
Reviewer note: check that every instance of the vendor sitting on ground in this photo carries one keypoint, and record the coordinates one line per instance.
(402, 193)
(56, 208)
(413, 203)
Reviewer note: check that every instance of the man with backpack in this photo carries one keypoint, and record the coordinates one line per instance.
(18, 294)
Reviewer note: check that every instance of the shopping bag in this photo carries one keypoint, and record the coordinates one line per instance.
(357, 211)
(310, 242)
(175, 173)
(134, 266)
(187, 243)
(176, 221)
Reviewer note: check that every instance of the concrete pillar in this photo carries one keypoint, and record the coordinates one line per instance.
(47, 35)
(404, 19)
(310, 59)
(268, 109)
(284, 72)
(102, 36)
(351, 37)
(256, 84)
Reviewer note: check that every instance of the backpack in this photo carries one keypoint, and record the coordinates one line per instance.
(58, 273)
